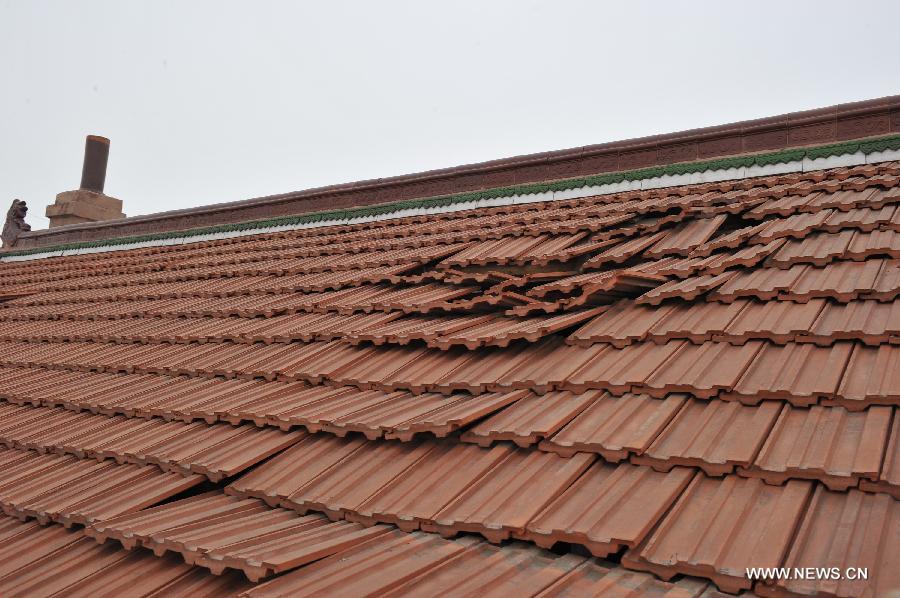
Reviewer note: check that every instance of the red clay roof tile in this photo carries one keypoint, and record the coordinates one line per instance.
(615, 426)
(714, 435)
(507, 498)
(799, 373)
(718, 528)
(70, 490)
(687, 289)
(685, 238)
(216, 531)
(609, 507)
(889, 478)
(872, 377)
(824, 443)
(532, 419)
(844, 530)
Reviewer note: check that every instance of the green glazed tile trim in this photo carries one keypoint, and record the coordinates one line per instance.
(791, 155)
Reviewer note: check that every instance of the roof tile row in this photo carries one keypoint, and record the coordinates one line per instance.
(217, 451)
(817, 321)
(70, 490)
(857, 375)
(221, 532)
(54, 561)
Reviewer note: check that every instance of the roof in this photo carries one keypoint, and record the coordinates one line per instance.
(642, 391)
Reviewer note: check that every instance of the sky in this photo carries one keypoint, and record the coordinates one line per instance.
(212, 101)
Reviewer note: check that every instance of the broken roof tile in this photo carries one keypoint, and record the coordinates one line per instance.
(623, 251)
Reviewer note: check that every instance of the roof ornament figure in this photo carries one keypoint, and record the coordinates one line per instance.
(15, 223)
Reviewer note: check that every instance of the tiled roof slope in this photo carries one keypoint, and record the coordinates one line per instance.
(664, 387)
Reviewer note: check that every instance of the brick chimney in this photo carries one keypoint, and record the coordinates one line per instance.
(88, 203)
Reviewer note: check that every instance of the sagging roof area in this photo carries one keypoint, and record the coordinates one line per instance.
(644, 392)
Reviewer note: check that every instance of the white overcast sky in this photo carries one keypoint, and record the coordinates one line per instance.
(215, 101)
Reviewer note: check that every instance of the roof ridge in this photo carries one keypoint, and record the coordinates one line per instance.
(395, 209)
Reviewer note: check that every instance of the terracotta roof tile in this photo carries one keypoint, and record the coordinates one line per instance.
(532, 419)
(70, 490)
(730, 240)
(24, 542)
(844, 530)
(777, 321)
(609, 507)
(429, 485)
(217, 532)
(872, 377)
(715, 436)
(687, 289)
(698, 322)
(799, 373)
(684, 239)
(821, 248)
(621, 324)
(55, 561)
(490, 571)
(718, 263)
(702, 370)
(601, 579)
(507, 498)
(280, 477)
(889, 478)
(615, 426)
(624, 250)
(718, 528)
(356, 478)
(515, 250)
(865, 219)
(872, 322)
(372, 566)
(618, 370)
(797, 226)
(403, 563)
(215, 451)
(824, 443)
(615, 283)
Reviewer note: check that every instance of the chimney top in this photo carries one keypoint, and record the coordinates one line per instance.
(96, 155)
(88, 203)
